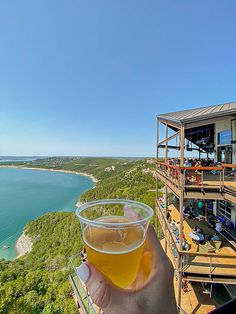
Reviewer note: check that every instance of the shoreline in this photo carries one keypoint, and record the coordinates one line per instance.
(95, 180)
(23, 244)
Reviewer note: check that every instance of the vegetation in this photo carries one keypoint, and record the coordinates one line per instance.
(38, 282)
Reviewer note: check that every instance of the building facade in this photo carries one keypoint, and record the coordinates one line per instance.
(199, 191)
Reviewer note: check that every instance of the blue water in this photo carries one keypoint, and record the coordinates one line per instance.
(26, 194)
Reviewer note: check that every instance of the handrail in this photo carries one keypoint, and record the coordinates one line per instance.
(188, 252)
(216, 255)
(167, 165)
(228, 165)
(202, 168)
(167, 225)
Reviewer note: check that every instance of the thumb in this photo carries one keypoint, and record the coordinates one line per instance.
(98, 286)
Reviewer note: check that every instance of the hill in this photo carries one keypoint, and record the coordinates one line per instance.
(38, 282)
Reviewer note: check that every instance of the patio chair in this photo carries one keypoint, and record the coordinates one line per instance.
(206, 248)
(216, 244)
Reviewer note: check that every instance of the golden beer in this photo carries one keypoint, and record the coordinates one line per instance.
(116, 252)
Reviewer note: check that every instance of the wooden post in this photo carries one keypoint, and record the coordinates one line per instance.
(157, 142)
(181, 205)
(182, 139)
(166, 159)
(206, 213)
(181, 199)
(180, 284)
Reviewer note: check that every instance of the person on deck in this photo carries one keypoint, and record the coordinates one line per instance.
(218, 226)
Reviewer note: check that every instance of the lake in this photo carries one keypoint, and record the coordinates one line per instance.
(26, 194)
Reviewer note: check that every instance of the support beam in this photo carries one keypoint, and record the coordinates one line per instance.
(169, 146)
(170, 123)
(181, 198)
(180, 283)
(157, 139)
(181, 205)
(182, 140)
(178, 147)
(169, 138)
(166, 159)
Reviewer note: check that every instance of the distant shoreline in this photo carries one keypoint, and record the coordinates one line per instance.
(24, 242)
(95, 180)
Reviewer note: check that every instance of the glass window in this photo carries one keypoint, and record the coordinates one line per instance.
(224, 208)
(224, 137)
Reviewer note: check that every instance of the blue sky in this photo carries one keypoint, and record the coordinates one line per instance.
(88, 77)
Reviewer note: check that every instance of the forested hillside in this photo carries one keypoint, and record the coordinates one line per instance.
(38, 282)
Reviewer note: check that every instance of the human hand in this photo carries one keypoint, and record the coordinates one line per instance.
(152, 292)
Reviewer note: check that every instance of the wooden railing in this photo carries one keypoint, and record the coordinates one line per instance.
(189, 258)
(201, 177)
(170, 172)
(169, 235)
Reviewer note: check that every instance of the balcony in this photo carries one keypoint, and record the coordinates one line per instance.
(200, 182)
(218, 266)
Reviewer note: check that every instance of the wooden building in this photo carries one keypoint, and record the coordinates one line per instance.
(209, 180)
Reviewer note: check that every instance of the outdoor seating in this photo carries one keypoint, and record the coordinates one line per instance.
(206, 248)
(196, 236)
(216, 244)
(209, 247)
(200, 217)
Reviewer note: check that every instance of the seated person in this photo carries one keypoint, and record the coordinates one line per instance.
(229, 224)
(175, 229)
(222, 219)
(218, 226)
(187, 212)
(168, 216)
(185, 245)
(183, 235)
(212, 221)
(215, 237)
(197, 229)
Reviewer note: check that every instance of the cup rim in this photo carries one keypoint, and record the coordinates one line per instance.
(84, 206)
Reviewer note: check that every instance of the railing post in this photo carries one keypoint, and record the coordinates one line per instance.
(180, 281)
(223, 177)
(157, 142)
(210, 266)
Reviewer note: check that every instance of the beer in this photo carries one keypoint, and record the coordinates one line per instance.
(115, 251)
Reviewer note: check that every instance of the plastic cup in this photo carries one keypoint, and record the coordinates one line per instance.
(114, 233)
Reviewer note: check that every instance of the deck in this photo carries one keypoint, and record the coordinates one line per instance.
(206, 186)
(189, 224)
(217, 267)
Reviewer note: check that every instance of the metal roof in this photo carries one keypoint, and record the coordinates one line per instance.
(198, 114)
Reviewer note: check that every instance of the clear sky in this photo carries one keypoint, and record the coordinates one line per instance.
(87, 77)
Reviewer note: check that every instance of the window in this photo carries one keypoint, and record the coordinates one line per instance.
(224, 208)
(224, 137)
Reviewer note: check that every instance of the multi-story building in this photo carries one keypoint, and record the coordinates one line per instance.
(200, 193)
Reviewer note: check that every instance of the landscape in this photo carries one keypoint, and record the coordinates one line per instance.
(38, 281)
(130, 101)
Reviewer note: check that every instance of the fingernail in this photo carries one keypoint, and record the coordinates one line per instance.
(83, 272)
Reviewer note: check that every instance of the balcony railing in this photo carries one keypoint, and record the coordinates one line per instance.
(199, 177)
(211, 266)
